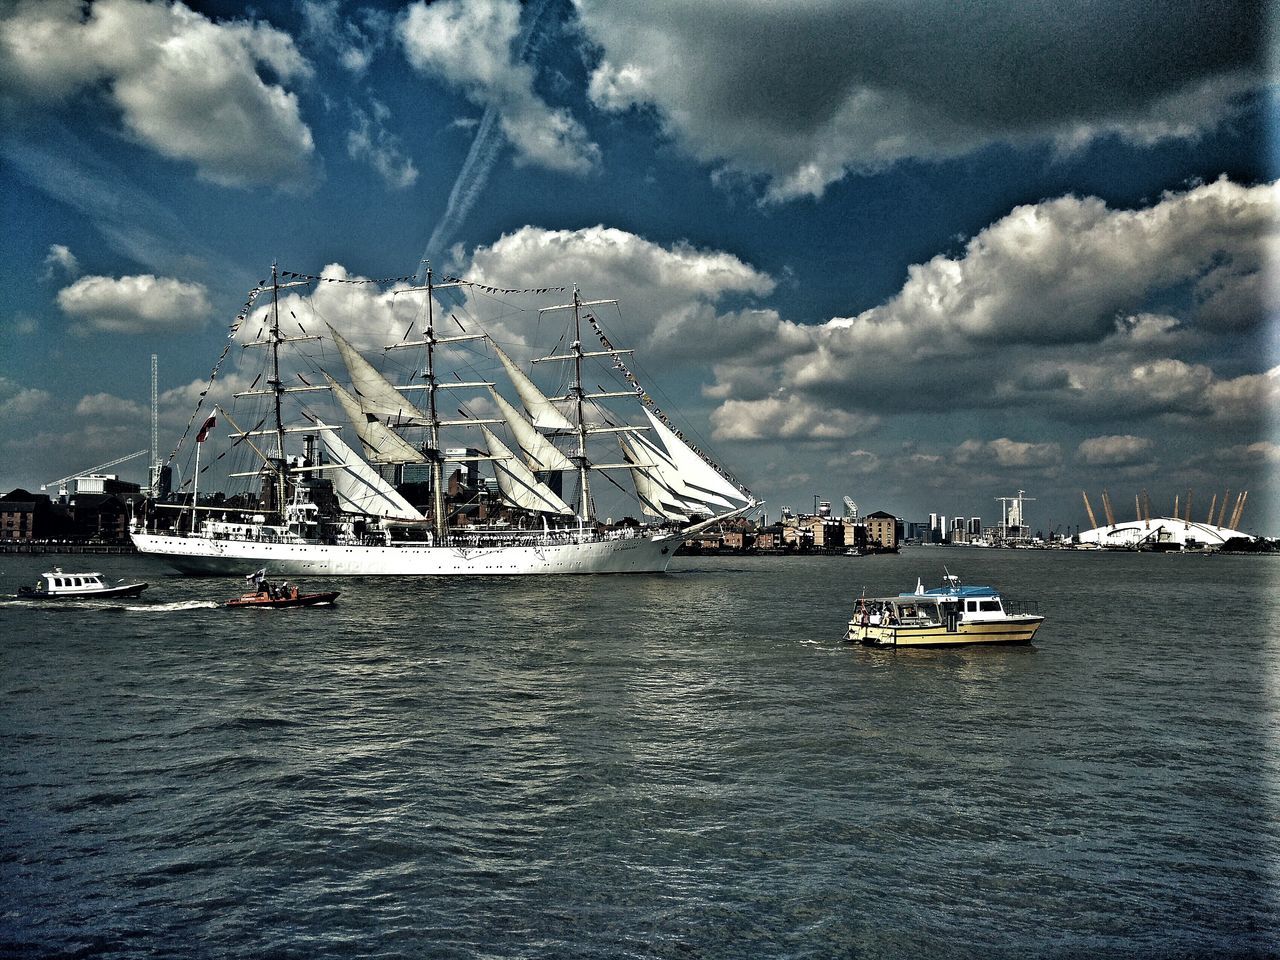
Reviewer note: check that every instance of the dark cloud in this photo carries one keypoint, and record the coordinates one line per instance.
(804, 92)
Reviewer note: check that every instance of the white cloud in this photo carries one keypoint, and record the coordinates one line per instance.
(187, 87)
(60, 259)
(19, 403)
(801, 94)
(368, 315)
(369, 140)
(1045, 310)
(470, 45)
(1263, 453)
(1060, 271)
(1114, 450)
(352, 42)
(107, 406)
(1003, 452)
(859, 462)
(786, 418)
(1247, 397)
(667, 295)
(137, 304)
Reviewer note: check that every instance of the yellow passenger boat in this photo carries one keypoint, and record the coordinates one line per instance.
(948, 616)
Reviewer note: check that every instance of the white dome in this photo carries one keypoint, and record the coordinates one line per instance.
(1160, 531)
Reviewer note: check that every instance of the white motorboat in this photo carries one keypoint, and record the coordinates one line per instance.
(947, 616)
(58, 585)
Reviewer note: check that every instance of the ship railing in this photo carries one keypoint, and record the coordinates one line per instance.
(1022, 608)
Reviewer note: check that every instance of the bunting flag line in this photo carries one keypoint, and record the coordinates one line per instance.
(446, 279)
(213, 374)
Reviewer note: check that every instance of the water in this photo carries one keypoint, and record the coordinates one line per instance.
(688, 765)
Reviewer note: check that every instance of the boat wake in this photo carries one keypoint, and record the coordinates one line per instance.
(114, 607)
(170, 607)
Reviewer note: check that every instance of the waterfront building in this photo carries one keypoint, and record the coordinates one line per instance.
(100, 517)
(28, 516)
(882, 531)
(106, 483)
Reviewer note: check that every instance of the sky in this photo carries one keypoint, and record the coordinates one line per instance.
(920, 254)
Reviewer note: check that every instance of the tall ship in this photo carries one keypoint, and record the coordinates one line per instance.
(316, 504)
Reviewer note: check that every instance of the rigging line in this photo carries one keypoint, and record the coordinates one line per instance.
(625, 491)
(241, 439)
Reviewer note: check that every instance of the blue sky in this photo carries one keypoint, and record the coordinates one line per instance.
(920, 254)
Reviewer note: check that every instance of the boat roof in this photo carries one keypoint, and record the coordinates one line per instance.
(957, 592)
(73, 573)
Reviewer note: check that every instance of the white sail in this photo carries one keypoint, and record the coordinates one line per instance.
(359, 488)
(693, 477)
(377, 395)
(541, 411)
(519, 487)
(538, 450)
(381, 443)
(656, 499)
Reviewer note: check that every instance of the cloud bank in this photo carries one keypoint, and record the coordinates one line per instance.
(801, 94)
(1048, 312)
(189, 88)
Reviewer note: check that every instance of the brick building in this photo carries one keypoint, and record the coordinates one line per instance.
(31, 516)
(882, 531)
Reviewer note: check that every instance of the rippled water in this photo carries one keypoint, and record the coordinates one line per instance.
(688, 765)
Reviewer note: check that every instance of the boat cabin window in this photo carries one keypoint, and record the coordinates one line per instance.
(57, 581)
(993, 605)
(971, 605)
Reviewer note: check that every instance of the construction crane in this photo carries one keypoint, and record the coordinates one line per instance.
(850, 509)
(61, 483)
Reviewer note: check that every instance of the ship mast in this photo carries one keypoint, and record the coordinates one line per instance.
(575, 390)
(433, 432)
(439, 522)
(277, 388)
(580, 396)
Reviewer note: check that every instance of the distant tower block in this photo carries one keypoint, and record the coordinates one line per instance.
(1012, 515)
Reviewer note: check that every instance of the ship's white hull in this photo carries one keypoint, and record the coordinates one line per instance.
(207, 556)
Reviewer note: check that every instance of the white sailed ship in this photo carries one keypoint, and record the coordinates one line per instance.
(332, 511)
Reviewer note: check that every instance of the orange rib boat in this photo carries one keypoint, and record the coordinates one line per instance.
(268, 596)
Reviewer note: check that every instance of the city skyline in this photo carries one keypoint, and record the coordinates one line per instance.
(916, 256)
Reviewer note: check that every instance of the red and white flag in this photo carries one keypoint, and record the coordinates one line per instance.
(204, 431)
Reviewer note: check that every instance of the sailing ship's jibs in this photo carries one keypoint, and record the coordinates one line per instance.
(334, 511)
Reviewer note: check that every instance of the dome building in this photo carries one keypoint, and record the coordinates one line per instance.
(1164, 533)
(1160, 533)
